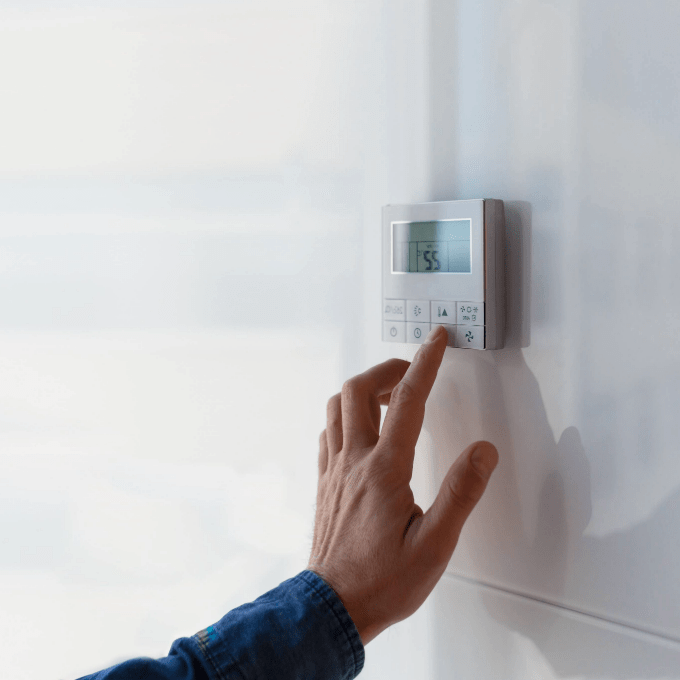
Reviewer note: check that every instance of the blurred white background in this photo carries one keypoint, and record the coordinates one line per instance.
(184, 188)
(190, 201)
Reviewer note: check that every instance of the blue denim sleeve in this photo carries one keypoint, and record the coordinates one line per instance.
(299, 630)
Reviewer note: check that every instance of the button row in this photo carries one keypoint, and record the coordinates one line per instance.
(459, 336)
(440, 311)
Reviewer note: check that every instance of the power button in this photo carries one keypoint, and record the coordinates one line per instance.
(394, 331)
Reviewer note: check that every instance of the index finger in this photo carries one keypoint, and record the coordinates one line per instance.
(405, 413)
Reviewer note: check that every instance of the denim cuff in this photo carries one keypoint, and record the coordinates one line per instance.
(298, 630)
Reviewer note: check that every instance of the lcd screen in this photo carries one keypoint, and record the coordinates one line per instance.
(440, 247)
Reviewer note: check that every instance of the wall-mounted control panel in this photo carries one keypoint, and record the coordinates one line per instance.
(444, 264)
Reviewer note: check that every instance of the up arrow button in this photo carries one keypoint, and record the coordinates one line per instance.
(443, 311)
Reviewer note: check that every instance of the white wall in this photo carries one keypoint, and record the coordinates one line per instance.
(570, 113)
(182, 199)
(172, 178)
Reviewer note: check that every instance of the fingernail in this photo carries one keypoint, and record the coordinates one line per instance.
(484, 459)
(433, 334)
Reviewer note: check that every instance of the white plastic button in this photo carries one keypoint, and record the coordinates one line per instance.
(417, 332)
(443, 312)
(417, 310)
(394, 310)
(394, 331)
(470, 337)
(451, 330)
(471, 313)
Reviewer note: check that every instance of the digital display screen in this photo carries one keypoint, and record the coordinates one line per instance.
(440, 247)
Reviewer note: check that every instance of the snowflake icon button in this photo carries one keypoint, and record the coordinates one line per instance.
(471, 313)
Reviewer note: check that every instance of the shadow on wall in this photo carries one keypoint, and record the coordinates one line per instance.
(527, 534)
(539, 555)
(529, 527)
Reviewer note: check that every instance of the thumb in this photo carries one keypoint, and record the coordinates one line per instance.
(460, 492)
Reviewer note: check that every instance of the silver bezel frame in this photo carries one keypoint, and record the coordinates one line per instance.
(486, 280)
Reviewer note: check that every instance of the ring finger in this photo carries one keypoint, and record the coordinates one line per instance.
(334, 425)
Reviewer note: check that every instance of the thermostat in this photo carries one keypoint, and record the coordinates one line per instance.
(444, 264)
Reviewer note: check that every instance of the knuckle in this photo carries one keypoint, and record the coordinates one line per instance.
(334, 410)
(404, 393)
(384, 476)
(461, 504)
(354, 478)
(383, 468)
(464, 496)
(334, 403)
(398, 363)
(373, 479)
(352, 389)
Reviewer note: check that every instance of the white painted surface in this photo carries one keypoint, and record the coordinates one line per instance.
(569, 113)
(181, 207)
(498, 635)
(476, 633)
(582, 406)
(135, 506)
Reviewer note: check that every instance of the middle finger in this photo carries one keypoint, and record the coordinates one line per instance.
(361, 402)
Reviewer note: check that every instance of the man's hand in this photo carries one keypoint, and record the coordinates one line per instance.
(372, 544)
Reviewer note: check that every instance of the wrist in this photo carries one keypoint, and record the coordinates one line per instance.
(359, 612)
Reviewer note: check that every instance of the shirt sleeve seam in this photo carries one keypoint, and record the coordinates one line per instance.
(352, 633)
(205, 654)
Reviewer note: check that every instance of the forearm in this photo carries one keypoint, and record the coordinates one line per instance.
(300, 629)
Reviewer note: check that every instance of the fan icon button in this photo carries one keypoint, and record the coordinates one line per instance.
(470, 337)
